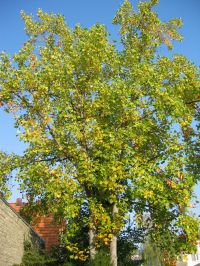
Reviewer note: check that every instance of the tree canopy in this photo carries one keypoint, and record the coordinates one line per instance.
(108, 129)
(8, 163)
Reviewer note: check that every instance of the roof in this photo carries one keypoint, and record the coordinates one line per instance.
(45, 225)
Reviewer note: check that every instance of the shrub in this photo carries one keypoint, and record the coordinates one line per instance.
(101, 259)
(35, 257)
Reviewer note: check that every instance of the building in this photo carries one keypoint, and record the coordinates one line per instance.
(191, 259)
(44, 226)
(14, 230)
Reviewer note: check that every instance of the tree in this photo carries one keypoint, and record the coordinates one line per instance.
(8, 164)
(104, 126)
(152, 255)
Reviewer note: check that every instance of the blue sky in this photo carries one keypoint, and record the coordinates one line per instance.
(87, 12)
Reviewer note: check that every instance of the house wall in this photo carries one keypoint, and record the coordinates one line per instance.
(45, 226)
(13, 231)
(48, 230)
(181, 263)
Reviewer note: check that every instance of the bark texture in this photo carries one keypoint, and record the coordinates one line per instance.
(113, 244)
(92, 248)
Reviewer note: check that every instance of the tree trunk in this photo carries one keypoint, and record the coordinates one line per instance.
(113, 244)
(92, 248)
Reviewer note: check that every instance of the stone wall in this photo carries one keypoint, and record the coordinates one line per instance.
(44, 225)
(13, 232)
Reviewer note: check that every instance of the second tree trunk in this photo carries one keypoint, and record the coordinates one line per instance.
(113, 244)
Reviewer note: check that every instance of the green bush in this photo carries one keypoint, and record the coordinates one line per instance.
(101, 259)
(68, 264)
(35, 257)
